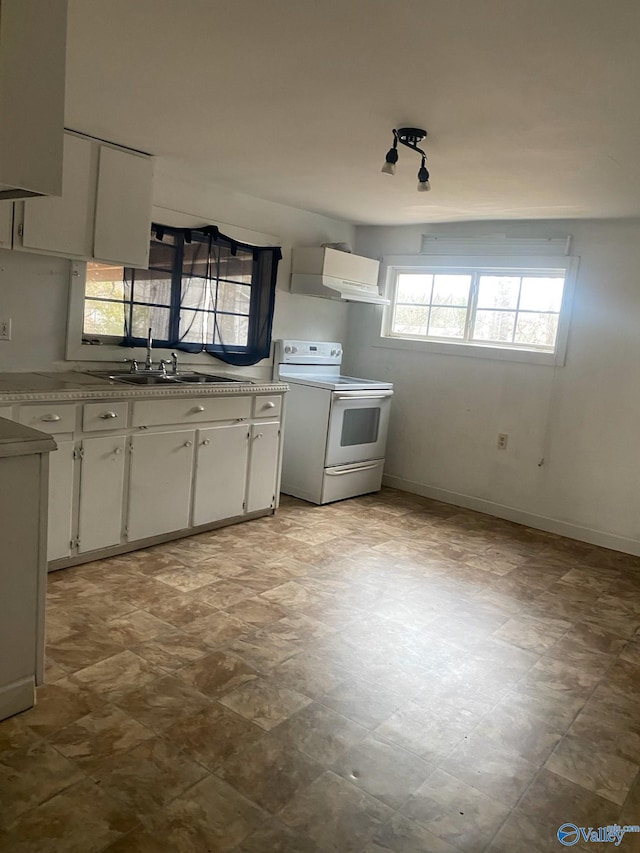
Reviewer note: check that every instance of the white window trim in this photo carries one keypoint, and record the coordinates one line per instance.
(393, 264)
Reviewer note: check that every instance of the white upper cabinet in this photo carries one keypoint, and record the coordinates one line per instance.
(123, 208)
(64, 225)
(104, 212)
(33, 37)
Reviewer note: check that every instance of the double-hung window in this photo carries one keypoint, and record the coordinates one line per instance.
(505, 307)
(201, 292)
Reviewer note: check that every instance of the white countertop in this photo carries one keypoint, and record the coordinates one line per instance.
(19, 440)
(75, 385)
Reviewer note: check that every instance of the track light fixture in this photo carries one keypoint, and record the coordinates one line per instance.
(409, 136)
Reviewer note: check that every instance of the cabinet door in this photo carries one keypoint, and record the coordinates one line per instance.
(123, 208)
(101, 493)
(6, 224)
(59, 529)
(64, 225)
(263, 465)
(221, 473)
(160, 483)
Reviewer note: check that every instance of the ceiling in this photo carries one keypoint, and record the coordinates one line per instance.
(532, 106)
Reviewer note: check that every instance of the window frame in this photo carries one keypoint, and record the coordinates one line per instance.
(81, 347)
(519, 265)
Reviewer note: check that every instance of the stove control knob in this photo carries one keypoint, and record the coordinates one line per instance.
(338, 352)
(287, 348)
(294, 349)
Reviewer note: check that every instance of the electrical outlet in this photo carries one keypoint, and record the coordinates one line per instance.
(5, 330)
(503, 438)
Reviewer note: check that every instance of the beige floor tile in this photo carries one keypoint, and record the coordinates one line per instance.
(148, 776)
(217, 673)
(401, 835)
(268, 771)
(172, 650)
(383, 770)
(212, 735)
(320, 733)
(335, 814)
(116, 675)
(80, 819)
(162, 703)
(217, 629)
(31, 775)
(264, 703)
(210, 816)
(98, 736)
(455, 812)
(585, 763)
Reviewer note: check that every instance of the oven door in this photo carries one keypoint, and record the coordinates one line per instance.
(358, 426)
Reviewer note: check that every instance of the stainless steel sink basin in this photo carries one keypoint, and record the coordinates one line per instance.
(204, 378)
(156, 377)
(145, 379)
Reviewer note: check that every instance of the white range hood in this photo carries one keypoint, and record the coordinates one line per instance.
(335, 275)
(33, 38)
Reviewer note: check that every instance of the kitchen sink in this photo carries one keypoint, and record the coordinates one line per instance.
(204, 378)
(145, 379)
(156, 377)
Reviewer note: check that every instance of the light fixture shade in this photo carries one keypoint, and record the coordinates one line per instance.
(424, 187)
(388, 168)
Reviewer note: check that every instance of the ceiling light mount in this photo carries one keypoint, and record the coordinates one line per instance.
(410, 137)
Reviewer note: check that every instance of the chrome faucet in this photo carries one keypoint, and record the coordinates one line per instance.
(163, 366)
(174, 362)
(148, 362)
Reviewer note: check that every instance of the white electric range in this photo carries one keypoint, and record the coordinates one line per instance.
(336, 426)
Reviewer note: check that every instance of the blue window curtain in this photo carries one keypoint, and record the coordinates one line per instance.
(204, 292)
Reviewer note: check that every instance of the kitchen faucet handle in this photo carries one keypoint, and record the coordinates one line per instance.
(174, 362)
(133, 363)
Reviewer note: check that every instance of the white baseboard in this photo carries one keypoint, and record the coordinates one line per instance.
(539, 522)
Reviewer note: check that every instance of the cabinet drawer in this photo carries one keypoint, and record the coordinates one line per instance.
(267, 406)
(192, 410)
(102, 416)
(52, 418)
(5, 412)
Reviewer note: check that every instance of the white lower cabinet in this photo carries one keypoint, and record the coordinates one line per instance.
(264, 466)
(101, 492)
(220, 473)
(59, 528)
(130, 471)
(160, 483)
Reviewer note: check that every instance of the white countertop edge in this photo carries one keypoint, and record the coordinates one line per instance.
(19, 440)
(127, 392)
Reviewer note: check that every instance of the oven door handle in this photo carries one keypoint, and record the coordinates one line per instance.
(352, 470)
(356, 395)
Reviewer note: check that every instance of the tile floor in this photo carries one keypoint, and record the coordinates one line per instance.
(384, 674)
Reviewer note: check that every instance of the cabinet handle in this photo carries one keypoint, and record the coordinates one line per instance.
(259, 435)
(118, 451)
(188, 443)
(50, 418)
(206, 441)
(107, 415)
(198, 409)
(270, 405)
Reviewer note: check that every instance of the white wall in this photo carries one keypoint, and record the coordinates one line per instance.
(583, 418)
(34, 288)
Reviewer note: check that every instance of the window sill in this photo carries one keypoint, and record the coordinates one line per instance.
(549, 359)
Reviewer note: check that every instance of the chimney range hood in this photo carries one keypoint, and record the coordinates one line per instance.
(335, 275)
(33, 37)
